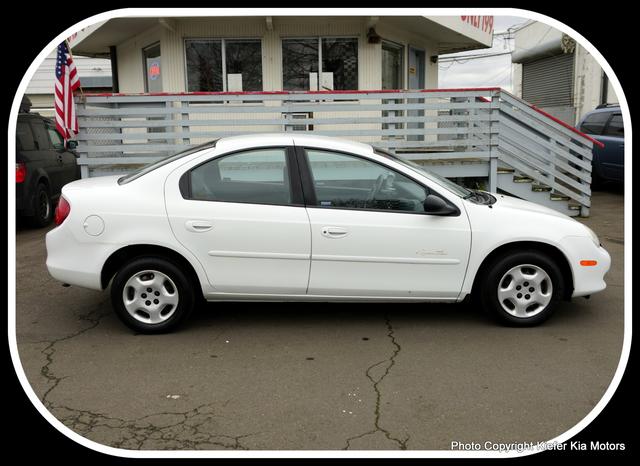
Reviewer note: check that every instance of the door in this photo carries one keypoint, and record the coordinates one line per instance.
(392, 78)
(66, 160)
(371, 237)
(416, 73)
(607, 127)
(612, 154)
(242, 216)
(153, 68)
(549, 84)
(45, 156)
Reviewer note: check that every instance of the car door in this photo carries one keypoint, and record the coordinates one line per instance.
(242, 215)
(608, 161)
(66, 160)
(46, 155)
(370, 235)
(612, 154)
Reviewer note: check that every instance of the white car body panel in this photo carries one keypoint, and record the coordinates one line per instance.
(263, 252)
(388, 254)
(512, 220)
(250, 248)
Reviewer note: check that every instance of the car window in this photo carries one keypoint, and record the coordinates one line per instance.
(134, 175)
(256, 176)
(595, 122)
(40, 135)
(55, 138)
(458, 190)
(615, 126)
(345, 181)
(24, 136)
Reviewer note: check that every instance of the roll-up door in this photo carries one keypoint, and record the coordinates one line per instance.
(548, 82)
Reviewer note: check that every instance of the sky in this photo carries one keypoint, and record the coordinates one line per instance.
(485, 72)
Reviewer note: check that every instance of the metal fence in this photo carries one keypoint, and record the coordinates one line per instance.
(481, 127)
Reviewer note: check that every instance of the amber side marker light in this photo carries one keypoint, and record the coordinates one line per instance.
(588, 263)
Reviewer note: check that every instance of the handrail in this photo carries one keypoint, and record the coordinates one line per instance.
(554, 119)
(269, 93)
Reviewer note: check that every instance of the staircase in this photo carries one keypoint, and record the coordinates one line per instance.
(529, 154)
(524, 187)
(541, 159)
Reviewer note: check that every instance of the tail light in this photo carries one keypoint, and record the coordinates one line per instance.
(62, 211)
(21, 172)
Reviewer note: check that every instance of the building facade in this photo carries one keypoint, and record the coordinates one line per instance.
(95, 76)
(553, 72)
(217, 54)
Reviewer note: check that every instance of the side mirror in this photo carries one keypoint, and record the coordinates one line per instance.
(435, 205)
(71, 145)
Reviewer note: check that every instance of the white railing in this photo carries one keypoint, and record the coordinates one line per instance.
(121, 131)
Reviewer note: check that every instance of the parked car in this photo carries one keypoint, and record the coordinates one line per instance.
(282, 217)
(605, 124)
(43, 166)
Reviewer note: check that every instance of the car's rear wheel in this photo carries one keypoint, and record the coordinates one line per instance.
(522, 289)
(151, 295)
(42, 210)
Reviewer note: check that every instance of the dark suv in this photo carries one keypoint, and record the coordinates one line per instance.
(43, 166)
(605, 124)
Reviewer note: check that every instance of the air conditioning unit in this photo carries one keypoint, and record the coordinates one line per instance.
(298, 116)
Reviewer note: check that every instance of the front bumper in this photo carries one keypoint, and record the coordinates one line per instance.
(587, 280)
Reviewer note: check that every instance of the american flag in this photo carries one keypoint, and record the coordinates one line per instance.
(67, 81)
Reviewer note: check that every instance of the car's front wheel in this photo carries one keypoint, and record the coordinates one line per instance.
(151, 295)
(522, 288)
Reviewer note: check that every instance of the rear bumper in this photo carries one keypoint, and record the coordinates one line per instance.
(587, 280)
(73, 262)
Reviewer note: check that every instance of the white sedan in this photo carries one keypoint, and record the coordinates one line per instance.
(300, 217)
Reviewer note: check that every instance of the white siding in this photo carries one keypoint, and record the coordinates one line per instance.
(130, 61)
(43, 79)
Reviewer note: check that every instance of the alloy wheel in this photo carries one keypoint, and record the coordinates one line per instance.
(525, 290)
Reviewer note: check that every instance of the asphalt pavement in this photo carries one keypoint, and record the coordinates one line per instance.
(317, 375)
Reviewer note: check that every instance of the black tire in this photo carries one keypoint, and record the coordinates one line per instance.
(487, 289)
(42, 207)
(183, 287)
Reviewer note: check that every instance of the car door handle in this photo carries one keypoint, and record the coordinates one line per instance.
(334, 232)
(198, 226)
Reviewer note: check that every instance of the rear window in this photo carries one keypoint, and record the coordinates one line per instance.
(594, 123)
(152, 166)
(24, 136)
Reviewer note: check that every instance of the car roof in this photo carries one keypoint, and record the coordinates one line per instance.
(610, 108)
(33, 115)
(288, 138)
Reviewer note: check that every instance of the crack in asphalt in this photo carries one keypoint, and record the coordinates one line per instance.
(165, 430)
(389, 363)
(184, 430)
(50, 350)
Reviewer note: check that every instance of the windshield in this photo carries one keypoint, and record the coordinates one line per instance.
(441, 180)
(152, 166)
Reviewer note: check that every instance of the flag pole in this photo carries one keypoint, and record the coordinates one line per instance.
(83, 98)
